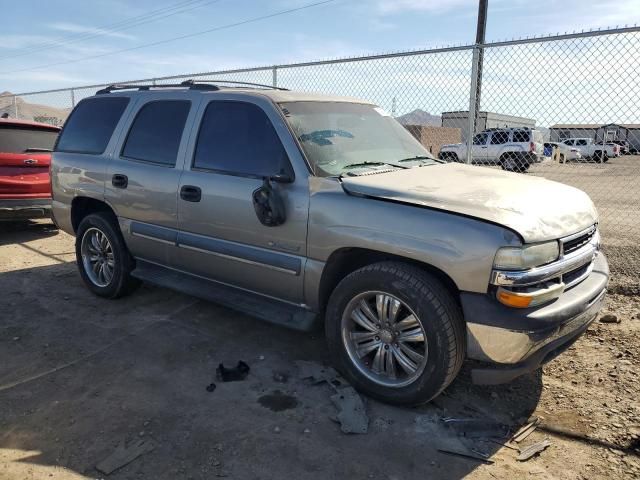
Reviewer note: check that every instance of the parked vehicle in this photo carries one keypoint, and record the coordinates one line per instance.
(591, 150)
(616, 148)
(514, 149)
(564, 152)
(625, 148)
(25, 153)
(297, 207)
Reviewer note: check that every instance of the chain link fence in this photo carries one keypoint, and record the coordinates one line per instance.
(573, 99)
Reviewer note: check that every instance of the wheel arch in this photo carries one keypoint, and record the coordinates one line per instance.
(346, 260)
(82, 206)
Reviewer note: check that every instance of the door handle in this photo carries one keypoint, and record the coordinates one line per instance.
(190, 193)
(484, 146)
(119, 181)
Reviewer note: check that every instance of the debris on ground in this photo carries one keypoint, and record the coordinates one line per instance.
(477, 427)
(235, 374)
(525, 430)
(474, 455)
(211, 387)
(316, 373)
(609, 318)
(124, 454)
(351, 412)
(531, 450)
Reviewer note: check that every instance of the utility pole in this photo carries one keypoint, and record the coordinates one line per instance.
(476, 74)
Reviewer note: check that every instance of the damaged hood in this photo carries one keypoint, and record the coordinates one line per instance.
(536, 208)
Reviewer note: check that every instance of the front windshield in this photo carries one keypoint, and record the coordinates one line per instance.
(338, 136)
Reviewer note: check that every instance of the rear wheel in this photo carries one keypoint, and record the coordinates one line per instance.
(103, 259)
(514, 163)
(562, 159)
(395, 332)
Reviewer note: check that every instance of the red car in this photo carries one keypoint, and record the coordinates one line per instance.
(25, 154)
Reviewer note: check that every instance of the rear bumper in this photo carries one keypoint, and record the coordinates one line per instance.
(19, 209)
(517, 341)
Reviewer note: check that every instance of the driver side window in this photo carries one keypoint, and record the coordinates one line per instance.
(480, 139)
(237, 138)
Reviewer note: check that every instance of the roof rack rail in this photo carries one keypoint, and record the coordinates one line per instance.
(116, 87)
(197, 83)
(191, 84)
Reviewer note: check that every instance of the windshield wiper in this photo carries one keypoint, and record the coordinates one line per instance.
(418, 157)
(37, 149)
(371, 164)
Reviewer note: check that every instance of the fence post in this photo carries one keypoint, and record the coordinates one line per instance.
(472, 102)
(15, 106)
(274, 80)
(73, 98)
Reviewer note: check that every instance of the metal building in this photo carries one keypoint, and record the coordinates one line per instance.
(611, 131)
(460, 119)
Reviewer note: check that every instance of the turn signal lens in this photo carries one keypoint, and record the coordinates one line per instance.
(513, 299)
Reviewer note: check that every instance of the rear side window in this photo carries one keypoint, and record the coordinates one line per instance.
(156, 132)
(499, 137)
(581, 143)
(238, 138)
(521, 136)
(91, 125)
(19, 139)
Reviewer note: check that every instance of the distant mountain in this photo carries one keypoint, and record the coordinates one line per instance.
(32, 111)
(420, 117)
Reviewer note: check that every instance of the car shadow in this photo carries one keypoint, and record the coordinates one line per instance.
(80, 375)
(25, 231)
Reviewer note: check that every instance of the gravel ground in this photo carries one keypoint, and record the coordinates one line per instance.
(79, 375)
(614, 187)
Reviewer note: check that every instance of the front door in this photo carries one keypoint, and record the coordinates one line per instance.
(479, 148)
(495, 146)
(143, 176)
(220, 234)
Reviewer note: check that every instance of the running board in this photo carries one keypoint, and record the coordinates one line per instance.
(264, 308)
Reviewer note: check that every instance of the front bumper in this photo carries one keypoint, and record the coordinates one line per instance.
(23, 209)
(517, 341)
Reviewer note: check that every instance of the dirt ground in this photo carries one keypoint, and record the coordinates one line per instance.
(79, 375)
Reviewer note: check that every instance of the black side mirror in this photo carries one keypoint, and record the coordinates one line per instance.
(268, 203)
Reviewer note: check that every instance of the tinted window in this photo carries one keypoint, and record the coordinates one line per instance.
(480, 139)
(499, 137)
(156, 132)
(91, 125)
(520, 136)
(581, 142)
(18, 139)
(238, 138)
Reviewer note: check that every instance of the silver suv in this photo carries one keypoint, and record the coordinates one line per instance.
(297, 207)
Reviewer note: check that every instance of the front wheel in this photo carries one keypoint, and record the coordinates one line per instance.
(395, 332)
(103, 259)
(514, 163)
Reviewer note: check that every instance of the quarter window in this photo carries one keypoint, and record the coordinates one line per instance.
(238, 138)
(499, 137)
(156, 132)
(91, 125)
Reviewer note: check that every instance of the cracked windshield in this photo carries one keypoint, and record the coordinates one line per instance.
(340, 138)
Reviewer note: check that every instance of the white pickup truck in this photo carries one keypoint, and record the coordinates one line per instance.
(514, 149)
(589, 149)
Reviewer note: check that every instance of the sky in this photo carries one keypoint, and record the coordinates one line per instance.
(46, 45)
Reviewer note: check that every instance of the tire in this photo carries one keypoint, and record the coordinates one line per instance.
(514, 163)
(119, 282)
(561, 159)
(439, 318)
(597, 156)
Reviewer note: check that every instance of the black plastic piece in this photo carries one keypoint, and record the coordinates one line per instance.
(190, 193)
(235, 374)
(119, 181)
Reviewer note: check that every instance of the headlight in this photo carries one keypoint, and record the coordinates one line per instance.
(527, 256)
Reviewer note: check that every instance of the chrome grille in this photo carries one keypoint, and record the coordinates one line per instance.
(575, 242)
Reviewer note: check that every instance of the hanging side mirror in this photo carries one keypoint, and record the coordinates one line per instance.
(268, 203)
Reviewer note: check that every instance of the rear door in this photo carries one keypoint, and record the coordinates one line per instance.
(143, 175)
(24, 160)
(239, 143)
